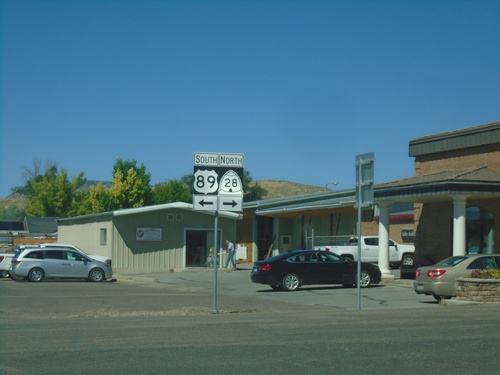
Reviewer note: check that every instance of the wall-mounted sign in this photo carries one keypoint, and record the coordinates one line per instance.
(408, 234)
(148, 234)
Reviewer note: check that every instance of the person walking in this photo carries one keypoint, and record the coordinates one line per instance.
(230, 251)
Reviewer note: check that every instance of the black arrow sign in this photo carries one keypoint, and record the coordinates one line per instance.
(203, 203)
(232, 203)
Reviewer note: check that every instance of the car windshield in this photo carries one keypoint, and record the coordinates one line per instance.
(451, 262)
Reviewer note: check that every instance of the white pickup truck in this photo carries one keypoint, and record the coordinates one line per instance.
(5, 263)
(398, 254)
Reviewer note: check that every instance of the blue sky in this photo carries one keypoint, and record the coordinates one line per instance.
(299, 87)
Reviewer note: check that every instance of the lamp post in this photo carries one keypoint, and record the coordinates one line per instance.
(330, 183)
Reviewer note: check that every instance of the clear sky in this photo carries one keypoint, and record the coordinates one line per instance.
(299, 87)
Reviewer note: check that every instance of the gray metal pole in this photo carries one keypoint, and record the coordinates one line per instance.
(216, 254)
(360, 203)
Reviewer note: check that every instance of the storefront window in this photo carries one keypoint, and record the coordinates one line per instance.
(480, 231)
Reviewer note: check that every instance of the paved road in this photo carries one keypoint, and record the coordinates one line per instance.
(163, 324)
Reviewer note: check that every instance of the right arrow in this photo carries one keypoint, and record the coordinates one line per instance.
(232, 203)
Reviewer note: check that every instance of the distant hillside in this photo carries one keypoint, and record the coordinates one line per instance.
(274, 188)
(279, 189)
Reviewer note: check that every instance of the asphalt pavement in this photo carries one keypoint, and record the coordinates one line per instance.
(390, 293)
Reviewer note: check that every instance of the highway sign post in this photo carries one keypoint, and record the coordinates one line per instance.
(365, 165)
(218, 183)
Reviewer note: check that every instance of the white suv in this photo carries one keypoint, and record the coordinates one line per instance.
(76, 248)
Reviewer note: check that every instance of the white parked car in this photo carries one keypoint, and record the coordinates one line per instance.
(38, 263)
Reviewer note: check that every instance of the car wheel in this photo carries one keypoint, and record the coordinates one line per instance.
(4, 274)
(407, 260)
(291, 282)
(365, 279)
(277, 287)
(35, 275)
(96, 275)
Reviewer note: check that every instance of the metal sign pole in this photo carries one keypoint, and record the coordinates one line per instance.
(216, 254)
(360, 203)
(364, 197)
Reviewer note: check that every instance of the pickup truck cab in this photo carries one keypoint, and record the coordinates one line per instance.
(399, 254)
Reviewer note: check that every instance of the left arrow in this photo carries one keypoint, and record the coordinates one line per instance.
(203, 203)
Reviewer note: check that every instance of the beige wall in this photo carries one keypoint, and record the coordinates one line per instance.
(87, 236)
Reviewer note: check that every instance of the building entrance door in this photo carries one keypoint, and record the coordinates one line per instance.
(198, 245)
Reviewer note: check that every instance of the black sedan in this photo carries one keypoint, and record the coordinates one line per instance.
(292, 269)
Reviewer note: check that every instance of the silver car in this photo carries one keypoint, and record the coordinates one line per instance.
(439, 280)
(35, 264)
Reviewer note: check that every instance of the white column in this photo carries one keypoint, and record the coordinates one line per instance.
(459, 222)
(383, 240)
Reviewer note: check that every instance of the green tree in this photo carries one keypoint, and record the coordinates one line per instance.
(12, 213)
(96, 199)
(53, 193)
(34, 174)
(131, 185)
(171, 191)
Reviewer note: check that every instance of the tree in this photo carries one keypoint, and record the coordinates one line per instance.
(34, 174)
(128, 191)
(53, 193)
(130, 188)
(12, 213)
(98, 200)
(171, 191)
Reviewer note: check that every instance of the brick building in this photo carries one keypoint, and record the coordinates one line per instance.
(455, 195)
(456, 192)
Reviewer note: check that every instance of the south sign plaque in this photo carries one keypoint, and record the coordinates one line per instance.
(218, 182)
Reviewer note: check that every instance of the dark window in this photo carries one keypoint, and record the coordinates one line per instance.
(54, 254)
(34, 255)
(371, 241)
(330, 257)
(483, 263)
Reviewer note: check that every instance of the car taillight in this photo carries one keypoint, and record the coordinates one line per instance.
(265, 268)
(435, 273)
(418, 272)
(1, 257)
(15, 261)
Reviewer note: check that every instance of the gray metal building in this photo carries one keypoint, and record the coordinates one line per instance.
(150, 239)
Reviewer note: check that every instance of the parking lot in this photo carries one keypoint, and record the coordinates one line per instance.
(389, 294)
